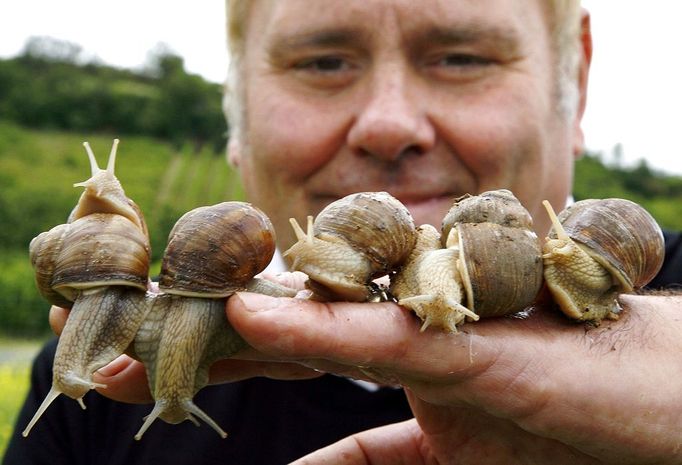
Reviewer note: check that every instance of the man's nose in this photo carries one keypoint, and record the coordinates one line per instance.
(391, 122)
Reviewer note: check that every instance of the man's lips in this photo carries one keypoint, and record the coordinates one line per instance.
(429, 210)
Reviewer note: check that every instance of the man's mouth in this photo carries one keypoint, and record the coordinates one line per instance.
(429, 209)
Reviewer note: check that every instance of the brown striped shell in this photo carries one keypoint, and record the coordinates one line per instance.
(214, 251)
(620, 235)
(486, 262)
(352, 241)
(498, 206)
(99, 249)
(500, 256)
(502, 267)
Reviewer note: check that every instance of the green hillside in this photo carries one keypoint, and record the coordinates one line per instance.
(37, 171)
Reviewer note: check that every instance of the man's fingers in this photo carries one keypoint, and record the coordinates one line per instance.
(228, 371)
(375, 336)
(125, 379)
(294, 280)
(397, 443)
(57, 318)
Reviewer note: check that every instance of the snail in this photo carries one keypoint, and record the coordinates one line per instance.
(596, 250)
(352, 241)
(96, 264)
(212, 252)
(485, 262)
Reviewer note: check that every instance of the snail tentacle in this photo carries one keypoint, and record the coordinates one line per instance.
(96, 264)
(596, 250)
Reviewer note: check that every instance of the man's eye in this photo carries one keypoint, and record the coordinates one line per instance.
(324, 64)
(463, 60)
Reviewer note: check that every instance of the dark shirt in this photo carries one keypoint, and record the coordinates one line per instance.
(268, 422)
(670, 276)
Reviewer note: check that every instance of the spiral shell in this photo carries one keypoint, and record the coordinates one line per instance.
(352, 241)
(598, 248)
(620, 235)
(215, 251)
(96, 250)
(498, 207)
(502, 267)
(485, 263)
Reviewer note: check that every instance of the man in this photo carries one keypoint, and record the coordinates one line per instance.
(427, 100)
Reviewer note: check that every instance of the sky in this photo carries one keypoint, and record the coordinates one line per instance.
(634, 97)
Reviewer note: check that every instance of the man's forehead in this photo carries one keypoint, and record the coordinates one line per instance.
(294, 15)
(329, 22)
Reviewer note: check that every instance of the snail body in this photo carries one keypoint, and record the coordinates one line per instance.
(352, 241)
(430, 283)
(597, 249)
(485, 262)
(212, 252)
(96, 264)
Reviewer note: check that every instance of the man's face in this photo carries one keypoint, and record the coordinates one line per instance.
(426, 100)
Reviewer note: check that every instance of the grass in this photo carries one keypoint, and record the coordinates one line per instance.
(15, 368)
(14, 380)
(37, 171)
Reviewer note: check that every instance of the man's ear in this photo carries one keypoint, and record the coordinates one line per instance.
(583, 73)
(234, 152)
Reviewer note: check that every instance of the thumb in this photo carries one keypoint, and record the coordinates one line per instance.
(391, 444)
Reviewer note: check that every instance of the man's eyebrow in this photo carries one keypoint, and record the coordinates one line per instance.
(506, 40)
(278, 44)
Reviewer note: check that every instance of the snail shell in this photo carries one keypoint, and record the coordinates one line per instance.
(351, 242)
(100, 249)
(598, 248)
(502, 267)
(497, 207)
(486, 262)
(96, 264)
(212, 252)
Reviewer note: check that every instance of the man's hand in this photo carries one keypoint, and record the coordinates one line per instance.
(126, 381)
(538, 389)
(531, 389)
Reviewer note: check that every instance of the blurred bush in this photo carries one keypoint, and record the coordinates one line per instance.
(37, 171)
(51, 85)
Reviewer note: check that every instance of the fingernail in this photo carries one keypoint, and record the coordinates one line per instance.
(258, 302)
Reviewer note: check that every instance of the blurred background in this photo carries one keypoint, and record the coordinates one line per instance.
(150, 72)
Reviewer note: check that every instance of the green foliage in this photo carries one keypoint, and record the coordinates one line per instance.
(659, 193)
(37, 173)
(14, 381)
(22, 309)
(47, 87)
(15, 367)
